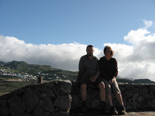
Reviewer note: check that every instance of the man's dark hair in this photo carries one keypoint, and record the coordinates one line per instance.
(89, 46)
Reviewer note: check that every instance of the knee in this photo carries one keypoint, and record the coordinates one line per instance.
(108, 86)
(83, 87)
(101, 85)
(118, 93)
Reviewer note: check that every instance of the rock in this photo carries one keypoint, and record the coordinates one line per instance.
(63, 102)
(25, 114)
(6, 96)
(95, 103)
(75, 99)
(135, 96)
(50, 84)
(4, 110)
(3, 103)
(47, 104)
(40, 88)
(65, 86)
(59, 114)
(151, 103)
(50, 93)
(38, 111)
(56, 90)
(140, 99)
(16, 106)
(151, 94)
(30, 99)
(19, 91)
(152, 88)
(144, 92)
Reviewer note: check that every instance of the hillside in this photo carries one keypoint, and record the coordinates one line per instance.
(21, 67)
(48, 72)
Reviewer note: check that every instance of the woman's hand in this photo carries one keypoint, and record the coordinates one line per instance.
(111, 81)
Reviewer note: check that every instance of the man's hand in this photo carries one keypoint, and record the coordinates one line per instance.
(93, 79)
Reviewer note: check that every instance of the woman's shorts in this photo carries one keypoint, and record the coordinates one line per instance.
(114, 86)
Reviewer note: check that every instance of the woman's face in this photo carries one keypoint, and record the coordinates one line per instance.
(108, 53)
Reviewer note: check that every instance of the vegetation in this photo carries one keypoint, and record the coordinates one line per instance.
(47, 72)
(8, 86)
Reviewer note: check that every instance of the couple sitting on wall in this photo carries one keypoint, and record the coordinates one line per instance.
(101, 73)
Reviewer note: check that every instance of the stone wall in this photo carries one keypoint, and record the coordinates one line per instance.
(135, 96)
(46, 99)
(56, 98)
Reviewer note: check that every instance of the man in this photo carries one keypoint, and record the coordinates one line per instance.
(89, 68)
(109, 71)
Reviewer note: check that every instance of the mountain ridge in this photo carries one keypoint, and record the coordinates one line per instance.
(34, 69)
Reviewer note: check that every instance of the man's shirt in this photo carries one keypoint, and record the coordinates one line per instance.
(89, 65)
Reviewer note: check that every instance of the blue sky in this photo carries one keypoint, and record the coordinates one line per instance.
(56, 33)
(67, 21)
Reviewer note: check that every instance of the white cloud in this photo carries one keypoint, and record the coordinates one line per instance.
(147, 23)
(136, 60)
(64, 56)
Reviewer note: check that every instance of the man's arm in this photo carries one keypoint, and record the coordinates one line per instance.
(81, 64)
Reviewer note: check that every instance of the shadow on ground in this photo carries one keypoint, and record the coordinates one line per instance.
(129, 113)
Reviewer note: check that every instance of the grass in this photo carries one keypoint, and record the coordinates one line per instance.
(8, 86)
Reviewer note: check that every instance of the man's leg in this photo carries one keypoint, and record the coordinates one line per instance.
(83, 95)
(83, 92)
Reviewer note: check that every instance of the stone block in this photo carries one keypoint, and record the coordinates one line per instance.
(38, 111)
(63, 102)
(65, 86)
(30, 99)
(95, 103)
(16, 106)
(47, 104)
(135, 96)
(59, 114)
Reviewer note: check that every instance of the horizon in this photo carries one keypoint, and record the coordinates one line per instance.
(119, 76)
(56, 33)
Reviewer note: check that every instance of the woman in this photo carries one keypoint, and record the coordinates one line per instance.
(108, 71)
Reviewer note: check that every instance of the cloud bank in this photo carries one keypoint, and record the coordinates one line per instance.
(136, 60)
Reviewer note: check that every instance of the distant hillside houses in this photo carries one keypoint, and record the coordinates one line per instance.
(43, 74)
(9, 73)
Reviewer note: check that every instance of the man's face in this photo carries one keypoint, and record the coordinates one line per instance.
(90, 51)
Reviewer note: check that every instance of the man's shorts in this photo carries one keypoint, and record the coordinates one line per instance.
(114, 86)
(96, 83)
